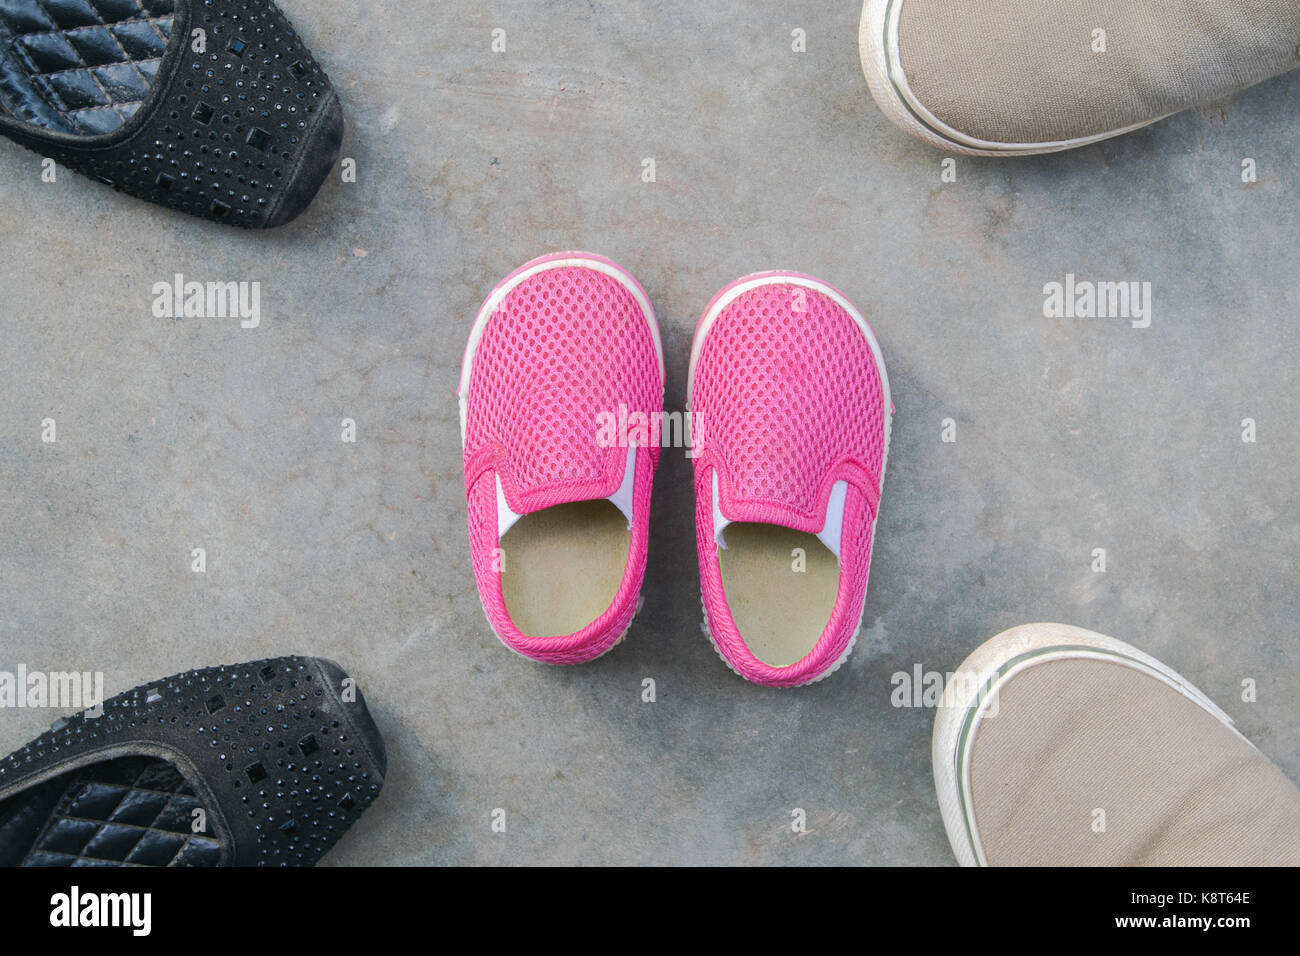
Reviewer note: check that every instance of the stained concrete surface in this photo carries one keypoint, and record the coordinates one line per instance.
(1071, 434)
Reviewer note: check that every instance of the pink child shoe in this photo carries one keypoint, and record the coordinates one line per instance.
(563, 351)
(790, 416)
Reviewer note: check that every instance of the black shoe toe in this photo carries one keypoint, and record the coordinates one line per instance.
(318, 155)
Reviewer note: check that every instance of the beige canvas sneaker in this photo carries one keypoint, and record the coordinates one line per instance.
(1018, 77)
(1055, 746)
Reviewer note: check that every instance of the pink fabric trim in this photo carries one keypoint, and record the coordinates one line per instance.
(845, 616)
(598, 637)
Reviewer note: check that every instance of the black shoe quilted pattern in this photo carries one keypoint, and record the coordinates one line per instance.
(244, 132)
(275, 755)
(81, 67)
(133, 811)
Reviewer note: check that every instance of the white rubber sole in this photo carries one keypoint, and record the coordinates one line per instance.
(975, 685)
(720, 303)
(561, 260)
(882, 64)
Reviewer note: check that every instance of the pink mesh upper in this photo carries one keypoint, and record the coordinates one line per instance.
(565, 345)
(788, 400)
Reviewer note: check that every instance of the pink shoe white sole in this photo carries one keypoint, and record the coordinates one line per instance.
(563, 336)
(834, 648)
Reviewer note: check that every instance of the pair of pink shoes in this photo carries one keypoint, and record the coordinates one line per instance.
(562, 419)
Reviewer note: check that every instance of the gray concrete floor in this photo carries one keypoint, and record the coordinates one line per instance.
(1072, 435)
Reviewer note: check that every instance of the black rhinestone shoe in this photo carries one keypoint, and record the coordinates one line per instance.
(213, 107)
(262, 764)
